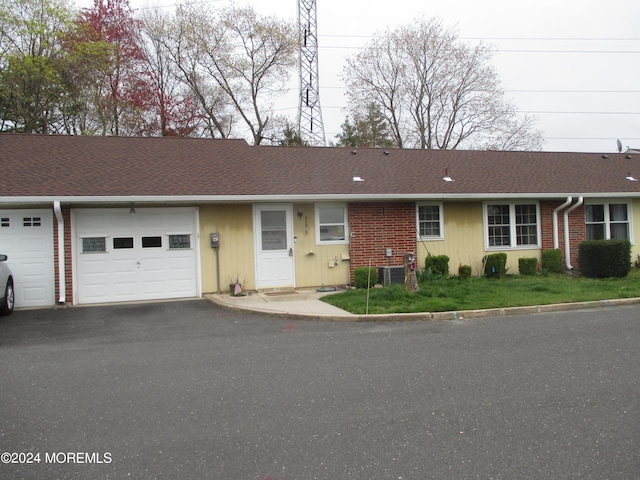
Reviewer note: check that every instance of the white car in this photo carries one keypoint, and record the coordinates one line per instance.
(6, 287)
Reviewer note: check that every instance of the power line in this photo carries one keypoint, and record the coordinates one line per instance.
(607, 52)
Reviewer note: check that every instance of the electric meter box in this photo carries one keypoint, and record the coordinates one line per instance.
(215, 240)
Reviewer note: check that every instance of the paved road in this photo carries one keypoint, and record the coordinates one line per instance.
(188, 390)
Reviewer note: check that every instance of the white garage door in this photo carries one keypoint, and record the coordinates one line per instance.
(135, 254)
(26, 236)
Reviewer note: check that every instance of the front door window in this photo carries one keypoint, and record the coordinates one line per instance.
(274, 230)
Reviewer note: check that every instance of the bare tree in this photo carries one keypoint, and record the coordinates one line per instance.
(435, 91)
(235, 62)
(182, 42)
(174, 109)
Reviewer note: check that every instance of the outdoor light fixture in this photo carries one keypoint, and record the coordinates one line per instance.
(132, 211)
(300, 213)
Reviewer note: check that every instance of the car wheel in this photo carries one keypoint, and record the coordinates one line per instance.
(8, 300)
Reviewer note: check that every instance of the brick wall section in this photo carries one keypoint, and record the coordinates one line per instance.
(577, 229)
(66, 214)
(374, 227)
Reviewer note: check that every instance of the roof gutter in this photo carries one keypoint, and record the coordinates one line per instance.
(61, 270)
(191, 199)
(567, 246)
(556, 241)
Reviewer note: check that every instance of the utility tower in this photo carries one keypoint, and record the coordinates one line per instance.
(310, 123)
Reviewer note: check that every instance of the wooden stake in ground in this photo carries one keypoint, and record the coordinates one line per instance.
(410, 279)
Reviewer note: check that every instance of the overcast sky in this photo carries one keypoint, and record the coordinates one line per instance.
(574, 64)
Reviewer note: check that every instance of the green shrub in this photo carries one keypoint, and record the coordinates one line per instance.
(552, 260)
(605, 258)
(363, 276)
(464, 272)
(495, 265)
(527, 266)
(438, 265)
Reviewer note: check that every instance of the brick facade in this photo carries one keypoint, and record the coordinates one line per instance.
(577, 228)
(374, 227)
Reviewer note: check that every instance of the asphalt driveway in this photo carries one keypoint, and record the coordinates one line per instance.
(190, 390)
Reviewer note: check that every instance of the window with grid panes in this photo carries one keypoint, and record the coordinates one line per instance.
(512, 225)
(430, 221)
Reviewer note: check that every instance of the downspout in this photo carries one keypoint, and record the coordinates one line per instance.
(567, 247)
(556, 240)
(61, 271)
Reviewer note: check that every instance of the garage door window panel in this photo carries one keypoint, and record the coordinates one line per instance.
(152, 242)
(5, 222)
(32, 222)
(94, 245)
(180, 242)
(120, 243)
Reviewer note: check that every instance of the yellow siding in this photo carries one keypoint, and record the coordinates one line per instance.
(312, 261)
(237, 249)
(235, 225)
(464, 240)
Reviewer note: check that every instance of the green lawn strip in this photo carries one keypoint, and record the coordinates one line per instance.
(440, 295)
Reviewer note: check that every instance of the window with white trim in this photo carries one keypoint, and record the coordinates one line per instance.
(511, 225)
(607, 221)
(429, 221)
(332, 223)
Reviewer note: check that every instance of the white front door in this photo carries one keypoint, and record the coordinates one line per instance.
(273, 227)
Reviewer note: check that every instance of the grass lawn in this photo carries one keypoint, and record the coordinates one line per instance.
(441, 295)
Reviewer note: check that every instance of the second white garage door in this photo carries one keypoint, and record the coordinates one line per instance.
(26, 237)
(135, 254)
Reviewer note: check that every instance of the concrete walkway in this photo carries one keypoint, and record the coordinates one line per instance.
(304, 303)
(298, 303)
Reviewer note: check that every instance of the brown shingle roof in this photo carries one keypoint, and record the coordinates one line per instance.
(84, 166)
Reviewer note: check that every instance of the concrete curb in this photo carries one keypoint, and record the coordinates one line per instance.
(427, 316)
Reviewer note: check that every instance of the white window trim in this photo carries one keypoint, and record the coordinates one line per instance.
(512, 227)
(607, 220)
(441, 221)
(345, 211)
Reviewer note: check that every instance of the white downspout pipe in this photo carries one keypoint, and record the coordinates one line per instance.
(556, 239)
(567, 246)
(61, 271)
